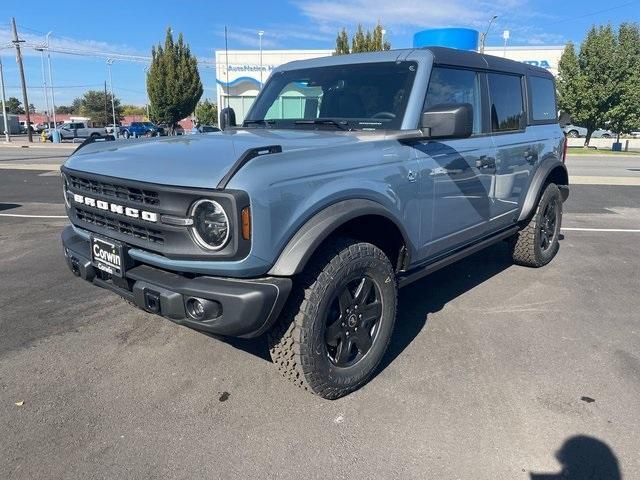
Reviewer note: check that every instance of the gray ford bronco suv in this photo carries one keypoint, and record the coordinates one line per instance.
(350, 176)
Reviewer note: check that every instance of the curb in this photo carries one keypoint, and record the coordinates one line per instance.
(53, 145)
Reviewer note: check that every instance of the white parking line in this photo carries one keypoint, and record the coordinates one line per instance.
(625, 230)
(31, 216)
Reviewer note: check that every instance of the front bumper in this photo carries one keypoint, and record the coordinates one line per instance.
(234, 307)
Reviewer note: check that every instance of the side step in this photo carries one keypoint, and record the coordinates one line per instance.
(428, 269)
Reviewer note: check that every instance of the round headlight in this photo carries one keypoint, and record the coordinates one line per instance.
(65, 190)
(210, 224)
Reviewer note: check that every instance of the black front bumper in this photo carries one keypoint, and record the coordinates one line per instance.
(235, 307)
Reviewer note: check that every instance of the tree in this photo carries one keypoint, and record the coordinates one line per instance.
(624, 116)
(133, 110)
(173, 81)
(14, 106)
(586, 85)
(361, 41)
(92, 105)
(342, 43)
(32, 108)
(207, 113)
(64, 109)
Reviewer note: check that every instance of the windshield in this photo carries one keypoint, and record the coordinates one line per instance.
(366, 96)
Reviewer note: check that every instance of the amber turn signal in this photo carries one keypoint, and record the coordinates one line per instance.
(246, 223)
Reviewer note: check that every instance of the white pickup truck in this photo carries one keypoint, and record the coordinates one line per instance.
(70, 130)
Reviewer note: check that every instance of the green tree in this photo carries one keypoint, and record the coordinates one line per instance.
(207, 113)
(361, 41)
(173, 81)
(92, 104)
(133, 110)
(342, 43)
(624, 115)
(14, 106)
(64, 109)
(586, 84)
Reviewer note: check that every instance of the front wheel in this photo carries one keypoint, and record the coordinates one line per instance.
(339, 319)
(539, 241)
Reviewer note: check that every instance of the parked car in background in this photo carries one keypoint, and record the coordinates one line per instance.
(111, 130)
(23, 127)
(71, 130)
(575, 131)
(205, 129)
(139, 129)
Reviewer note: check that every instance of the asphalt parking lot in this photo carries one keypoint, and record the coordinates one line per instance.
(495, 371)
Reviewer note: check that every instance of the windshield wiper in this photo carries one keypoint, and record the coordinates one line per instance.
(258, 122)
(323, 121)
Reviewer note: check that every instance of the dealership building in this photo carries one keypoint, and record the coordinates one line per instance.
(240, 73)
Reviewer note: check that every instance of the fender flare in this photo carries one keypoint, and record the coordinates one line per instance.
(314, 231)
(535, 188)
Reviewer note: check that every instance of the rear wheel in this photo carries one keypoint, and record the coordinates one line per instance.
(538, 242)
(339, 319)
(573, 134)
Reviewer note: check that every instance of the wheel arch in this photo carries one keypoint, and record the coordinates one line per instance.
(357, 218)
(551, 170)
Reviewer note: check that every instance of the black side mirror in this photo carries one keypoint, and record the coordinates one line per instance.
(448, 121)
(227, 118)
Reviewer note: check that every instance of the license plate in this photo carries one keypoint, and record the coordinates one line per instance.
(108, 256)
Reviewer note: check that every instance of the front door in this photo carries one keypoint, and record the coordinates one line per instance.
(455, 175)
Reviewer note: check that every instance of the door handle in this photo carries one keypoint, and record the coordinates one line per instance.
(485, 162)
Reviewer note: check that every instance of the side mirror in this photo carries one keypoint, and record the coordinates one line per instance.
(227, 118)
(448, 121)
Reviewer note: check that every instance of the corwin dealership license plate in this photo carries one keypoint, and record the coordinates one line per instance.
(107, 255)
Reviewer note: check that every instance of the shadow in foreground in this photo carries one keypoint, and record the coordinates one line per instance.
(584, 458)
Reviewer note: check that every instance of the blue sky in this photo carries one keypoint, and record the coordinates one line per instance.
(133, 27)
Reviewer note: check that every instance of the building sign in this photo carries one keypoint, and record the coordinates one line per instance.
(538, 63)
(250, 68)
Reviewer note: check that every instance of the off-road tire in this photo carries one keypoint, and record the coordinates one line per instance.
(297, 341)
(526, 244)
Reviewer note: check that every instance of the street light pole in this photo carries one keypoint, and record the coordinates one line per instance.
(483, 37)
(44, 85)
(260, 34)
(4, 106)
(113, 107)
(53, 98)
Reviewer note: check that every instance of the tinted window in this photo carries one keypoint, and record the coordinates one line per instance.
(448, 85)
(505, 93)
(360, 95)
(543, 98)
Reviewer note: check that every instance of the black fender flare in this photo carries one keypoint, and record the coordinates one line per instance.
(537, 183)
(314, 231)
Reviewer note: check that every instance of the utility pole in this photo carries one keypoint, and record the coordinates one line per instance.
(113, 107)
(17, 42)
(260, 34)
(4, 106)
(53, 99)
(106, 114)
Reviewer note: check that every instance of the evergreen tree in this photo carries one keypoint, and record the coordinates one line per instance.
(173, 81)
(342, 43)
(361, 41)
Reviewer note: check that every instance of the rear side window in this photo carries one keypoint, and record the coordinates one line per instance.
(543, 99)
(450, 85)
(507, 105)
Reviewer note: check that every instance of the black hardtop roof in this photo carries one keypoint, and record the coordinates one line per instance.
(465, 58)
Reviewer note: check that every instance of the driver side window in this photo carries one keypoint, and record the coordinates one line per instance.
(449, 85)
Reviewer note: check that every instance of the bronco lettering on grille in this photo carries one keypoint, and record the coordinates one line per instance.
(115, 208)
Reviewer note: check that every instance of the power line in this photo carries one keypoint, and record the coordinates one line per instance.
(571, 19)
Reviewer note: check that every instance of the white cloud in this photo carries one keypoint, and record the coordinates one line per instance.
(275, 36)
(80, 46)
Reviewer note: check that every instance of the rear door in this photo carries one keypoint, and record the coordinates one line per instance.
(517, 150)
(455, 175)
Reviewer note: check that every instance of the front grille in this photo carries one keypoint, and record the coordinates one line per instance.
(127, 228)
(137, 195)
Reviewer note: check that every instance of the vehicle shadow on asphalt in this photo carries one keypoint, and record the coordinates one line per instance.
(583, 458)
(8, 206)
(429, 295)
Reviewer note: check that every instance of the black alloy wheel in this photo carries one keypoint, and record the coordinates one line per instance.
(352, 321)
